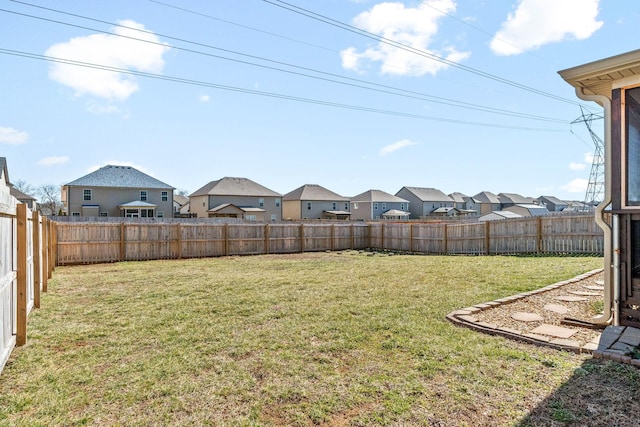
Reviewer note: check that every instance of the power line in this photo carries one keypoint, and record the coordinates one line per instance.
(344, 26)
(375, 86)
(259, 93)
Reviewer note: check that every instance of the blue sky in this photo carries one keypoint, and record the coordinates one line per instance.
(462, 96)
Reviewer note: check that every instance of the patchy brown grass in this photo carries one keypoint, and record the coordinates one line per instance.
(334, 339)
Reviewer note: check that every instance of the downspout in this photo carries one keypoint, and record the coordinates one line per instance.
(611, 260)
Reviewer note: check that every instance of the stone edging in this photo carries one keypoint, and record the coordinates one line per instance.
(464, 317)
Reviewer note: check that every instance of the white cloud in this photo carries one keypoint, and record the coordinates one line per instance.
(54, 160)
(204, 98)
(578, 185)
(396, 146)
(12, 136)
(576, 166)
(111, 51)
(535, 23)
(414, 27)
(588, 157)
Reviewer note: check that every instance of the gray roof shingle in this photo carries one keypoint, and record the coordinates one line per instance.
(119, 177)
(230, 186)
(378, 196)
(313, 192)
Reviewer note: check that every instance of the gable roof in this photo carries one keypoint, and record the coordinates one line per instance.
(19, 194)
(428, 194)
(230, 186)
(180, 199)
(486, 197)
(553, 200)
(458, 197)
(514, 198)
(313, 192)
(4, 170)
(119, 177)
(378, 196)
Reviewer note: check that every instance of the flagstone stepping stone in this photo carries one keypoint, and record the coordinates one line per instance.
(594, 287)
(556, 308)
(571, 298)
(585, 293)
(526, 317)
(554, 331)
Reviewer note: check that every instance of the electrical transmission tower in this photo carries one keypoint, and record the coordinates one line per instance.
(595, 187)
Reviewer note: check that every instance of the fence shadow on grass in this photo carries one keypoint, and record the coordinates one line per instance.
(599, 393)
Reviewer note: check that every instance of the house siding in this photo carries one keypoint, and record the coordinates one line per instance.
(107, 199)
(269, 207)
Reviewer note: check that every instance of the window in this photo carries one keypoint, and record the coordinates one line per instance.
(86, 195)
(160, 214)
(335, 206)
(143, 195)
(346, 206)
(402, 206)
(165, 196)
(104, 213)
(309, 206)
(375, 206)
(632, 107)
(250, 217)
(384, 206)
(355, 205)
(274, 217)
(277, 203)
(261, 202)
(75, 214)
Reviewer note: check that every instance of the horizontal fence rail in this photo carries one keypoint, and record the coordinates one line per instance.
(97, 242)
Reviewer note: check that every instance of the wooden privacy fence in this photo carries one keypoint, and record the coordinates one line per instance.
(96, 242)
(27, 259)
(536, 235)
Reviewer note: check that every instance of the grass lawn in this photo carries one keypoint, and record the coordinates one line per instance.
(324, 338)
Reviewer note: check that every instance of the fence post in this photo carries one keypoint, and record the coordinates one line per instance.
(352, 237)
(179, 240)
(333, 237)
(267, 236)
(44, 251)
(487, 237)
(382, 237)
(122, 248)
(410, 237)
(35, 222)
(446, 241)
(21, 302)
(226, 239)
(302, 237)
(539, 235)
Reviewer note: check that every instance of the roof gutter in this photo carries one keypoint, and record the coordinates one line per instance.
(611, 254)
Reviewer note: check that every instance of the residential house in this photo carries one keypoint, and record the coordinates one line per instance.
(459, 200)
(376, 204)
(28, 200)
(528, 210)
(553, 204)
(179, 201)
(485, 202)
(312, 201)
(423, 201)
(231, 197)
(118, 191)
(511, 199)
(498, 215)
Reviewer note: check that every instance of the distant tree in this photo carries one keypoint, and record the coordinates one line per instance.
(25, 187)
(49, 199)
(182, 192)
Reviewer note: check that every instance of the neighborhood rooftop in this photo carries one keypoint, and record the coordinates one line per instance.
(119, 176)
(313, 192)
(231, 186)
